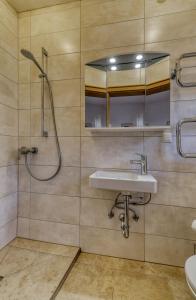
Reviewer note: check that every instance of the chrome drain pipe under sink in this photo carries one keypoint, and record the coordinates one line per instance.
(125, 202)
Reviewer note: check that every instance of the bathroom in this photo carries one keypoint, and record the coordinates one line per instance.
(68, 230)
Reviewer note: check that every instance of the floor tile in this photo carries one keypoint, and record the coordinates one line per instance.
(31, 270)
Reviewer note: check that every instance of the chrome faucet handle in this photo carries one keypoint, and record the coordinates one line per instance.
(142, 162)
(142, 156)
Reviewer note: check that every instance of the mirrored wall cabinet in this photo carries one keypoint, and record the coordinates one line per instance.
(128, 92)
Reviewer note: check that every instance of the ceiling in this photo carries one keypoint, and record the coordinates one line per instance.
(24, 5)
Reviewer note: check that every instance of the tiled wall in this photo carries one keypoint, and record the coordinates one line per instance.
(8, 123)
(67, 210)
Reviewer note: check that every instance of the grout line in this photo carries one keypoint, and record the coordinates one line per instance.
(10, 54)
(48, 7)
(9, 106)
(10, 221)
(171, 14)
(8, 78)
(51, 221)
(37, 250)
(30, 141)
(53, 297)
(80, 119)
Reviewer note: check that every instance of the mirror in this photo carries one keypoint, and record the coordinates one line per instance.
(130, 90)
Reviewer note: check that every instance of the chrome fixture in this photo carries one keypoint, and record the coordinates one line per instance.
(126, 201)
(25, 150)
(179, 68)
(179, 137)
(177, 75)
(142, 162)
(44, 77)
(30, 56)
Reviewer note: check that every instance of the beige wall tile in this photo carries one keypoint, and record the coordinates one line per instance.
(112, 243)
(67, 182)
(94, 213)
(8, 66)
(8, 233)
(24, 122)
(175, 189)
(156, 8)
(8, 92)
(54, 208)
(65, 92)
(99, 37)
(64, 66)
(8, 179)
(57, 43)
(66, 5)
(164, 157)
(24, 71)
(9, 153)
(9, 17)
(169, 27)
(180, 109)
(23, 228)
(24, 27)
(110, 152)
(67, 119)
(169, 221)
(55, 21)
(24, 96)
(8, 209)
(23, 180)
(8, 121)
(98, 13)
(23, 204)
(59, 233)
(8, 41)
(166, 250)
(70, 149)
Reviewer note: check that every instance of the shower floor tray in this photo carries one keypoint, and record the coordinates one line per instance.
(34, 270)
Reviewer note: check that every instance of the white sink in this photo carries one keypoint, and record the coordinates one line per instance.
(123, 181)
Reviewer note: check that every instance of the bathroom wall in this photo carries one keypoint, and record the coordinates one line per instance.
(66, 210)
(8, 123)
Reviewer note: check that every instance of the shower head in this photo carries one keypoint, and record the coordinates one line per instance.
(30, 56)
(27, 54)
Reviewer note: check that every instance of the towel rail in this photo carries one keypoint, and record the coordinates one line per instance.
(177, 74)
(179, 137)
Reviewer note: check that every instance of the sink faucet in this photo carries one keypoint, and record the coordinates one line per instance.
(142, 162)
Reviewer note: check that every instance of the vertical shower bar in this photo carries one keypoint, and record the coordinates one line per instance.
(44, 65)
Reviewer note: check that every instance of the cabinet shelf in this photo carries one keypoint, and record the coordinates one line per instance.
(129, 129)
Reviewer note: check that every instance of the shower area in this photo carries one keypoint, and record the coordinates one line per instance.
(40, 156)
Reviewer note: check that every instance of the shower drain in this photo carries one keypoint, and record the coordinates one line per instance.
(1, 278)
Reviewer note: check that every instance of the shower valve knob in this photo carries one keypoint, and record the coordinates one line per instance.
(24, 150)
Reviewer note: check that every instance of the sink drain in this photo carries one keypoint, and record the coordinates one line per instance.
(1, 278)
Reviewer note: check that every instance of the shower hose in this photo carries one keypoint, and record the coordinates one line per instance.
(56, 139)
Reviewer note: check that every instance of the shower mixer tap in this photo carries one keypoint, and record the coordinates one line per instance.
(25, 150)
